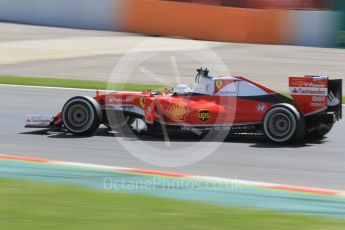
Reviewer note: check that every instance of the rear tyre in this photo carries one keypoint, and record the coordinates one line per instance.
(81, 115)
(283, 124)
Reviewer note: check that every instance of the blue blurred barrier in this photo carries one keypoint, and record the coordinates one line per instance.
(315, 28)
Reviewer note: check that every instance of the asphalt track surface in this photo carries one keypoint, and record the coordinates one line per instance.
(313, 163)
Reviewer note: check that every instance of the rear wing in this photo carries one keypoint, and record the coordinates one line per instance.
(317, 94)
(335, 91)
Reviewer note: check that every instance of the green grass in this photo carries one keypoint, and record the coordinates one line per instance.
(31, 205)
(82, 84)
(70, 83)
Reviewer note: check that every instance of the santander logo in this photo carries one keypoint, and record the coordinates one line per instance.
(313, 85)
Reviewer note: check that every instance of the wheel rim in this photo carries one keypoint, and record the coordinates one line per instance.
(78, 115)
(280, 124)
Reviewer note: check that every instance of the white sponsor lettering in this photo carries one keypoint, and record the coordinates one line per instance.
(308, 91)
(313, 85)
(121, 100)
(38, 120)
(318, 99)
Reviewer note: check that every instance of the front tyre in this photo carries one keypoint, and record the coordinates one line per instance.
(81, 115)
(283, 124)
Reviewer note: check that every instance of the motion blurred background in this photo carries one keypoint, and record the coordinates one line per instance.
(264, 40)
(318, 23)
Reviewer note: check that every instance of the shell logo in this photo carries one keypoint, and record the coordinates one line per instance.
(177, 111)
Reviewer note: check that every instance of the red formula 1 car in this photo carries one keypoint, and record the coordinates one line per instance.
(230, 104)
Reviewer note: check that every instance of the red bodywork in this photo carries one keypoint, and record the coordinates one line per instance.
(189, 110)
(195, 109)
(222, 102)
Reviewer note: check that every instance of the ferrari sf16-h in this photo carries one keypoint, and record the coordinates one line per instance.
(215, 104)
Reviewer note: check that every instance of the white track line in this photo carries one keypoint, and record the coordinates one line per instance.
(86, 165)
(64, 88)
(49, 87)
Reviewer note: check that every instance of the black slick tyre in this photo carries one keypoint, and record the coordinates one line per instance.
(81, 115)
(283, 124)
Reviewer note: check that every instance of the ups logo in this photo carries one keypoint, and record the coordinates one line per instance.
(204, 115)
